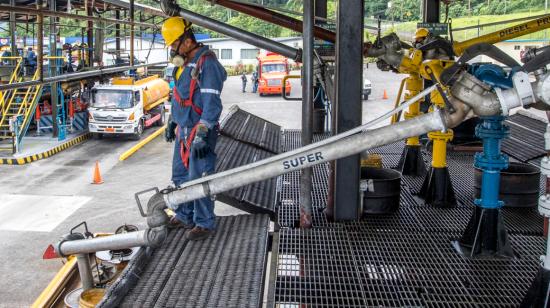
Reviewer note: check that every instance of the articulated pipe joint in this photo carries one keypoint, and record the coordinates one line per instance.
(64, 239)
(170, 7)
(390, 50)
(460, 113)
(156, 216)
(542, 89)
(521, 95)
(477, 95)
(156, 236)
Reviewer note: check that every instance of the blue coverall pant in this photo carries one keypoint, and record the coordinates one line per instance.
(199, 212)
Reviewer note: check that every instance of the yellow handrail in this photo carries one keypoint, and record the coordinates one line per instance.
(24, 102)
(13, 77)
(29, 104)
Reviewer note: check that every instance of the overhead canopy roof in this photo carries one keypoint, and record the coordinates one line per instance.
(61, 5)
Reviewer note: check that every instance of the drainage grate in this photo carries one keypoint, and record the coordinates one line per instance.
(226, 270)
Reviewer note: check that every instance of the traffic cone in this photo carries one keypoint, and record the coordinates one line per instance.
(385, 96)
(97, 175)
(37, 114)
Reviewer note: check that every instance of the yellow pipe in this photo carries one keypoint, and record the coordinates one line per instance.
(505, 34)
(143, 142)
(414, 86)
(57, 284)
(394, 118)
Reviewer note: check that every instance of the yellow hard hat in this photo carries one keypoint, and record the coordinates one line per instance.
(421, 33)
(173, 28)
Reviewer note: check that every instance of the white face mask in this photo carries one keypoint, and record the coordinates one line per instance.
(178, 61)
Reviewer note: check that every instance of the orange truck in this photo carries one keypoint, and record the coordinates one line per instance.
(272, 68)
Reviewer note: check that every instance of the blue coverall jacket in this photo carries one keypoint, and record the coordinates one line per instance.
(206, 97)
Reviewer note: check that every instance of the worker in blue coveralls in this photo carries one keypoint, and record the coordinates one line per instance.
(31, 61)
(193, 123)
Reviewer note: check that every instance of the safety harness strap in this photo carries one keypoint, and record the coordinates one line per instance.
(194, 77)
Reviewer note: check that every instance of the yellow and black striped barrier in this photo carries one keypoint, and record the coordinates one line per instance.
(46, 154)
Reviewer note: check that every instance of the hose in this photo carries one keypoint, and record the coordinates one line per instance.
(333, 139)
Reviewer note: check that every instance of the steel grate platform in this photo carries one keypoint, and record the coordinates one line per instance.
(251, 129)
(254, 198)
(356, 265)
(526, 141)
(518, 221)
(400, 260)
(246, 138)
(225, 270)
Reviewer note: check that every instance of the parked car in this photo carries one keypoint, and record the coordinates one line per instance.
(367, 88)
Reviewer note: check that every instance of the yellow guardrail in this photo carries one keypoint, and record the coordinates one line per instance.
(52, 292)
(13, 78)
(143, 142)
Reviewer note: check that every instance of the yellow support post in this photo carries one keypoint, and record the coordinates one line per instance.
(439, 153)
(414, 85)
(411, 161)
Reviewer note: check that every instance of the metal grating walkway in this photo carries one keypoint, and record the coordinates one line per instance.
(526, 141)
(248, 128)
(257, 198)
(225, 270)
(246, 138)
(400, 260)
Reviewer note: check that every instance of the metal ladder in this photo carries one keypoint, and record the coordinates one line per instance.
(16, 114)
(6, 94)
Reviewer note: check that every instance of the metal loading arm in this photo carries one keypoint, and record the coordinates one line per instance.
(505, 34)
(449, 74)
(304, 158)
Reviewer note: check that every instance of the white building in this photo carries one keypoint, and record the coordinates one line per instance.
(231, 52)
(142, 48)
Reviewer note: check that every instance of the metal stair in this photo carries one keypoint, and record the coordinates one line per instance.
(17, 109)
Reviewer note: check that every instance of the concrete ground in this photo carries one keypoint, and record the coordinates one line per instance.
(41, 201)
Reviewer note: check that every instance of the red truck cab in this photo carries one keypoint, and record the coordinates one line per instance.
(272, 68)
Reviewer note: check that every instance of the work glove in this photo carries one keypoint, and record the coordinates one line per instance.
(200, 145)
(170, 132)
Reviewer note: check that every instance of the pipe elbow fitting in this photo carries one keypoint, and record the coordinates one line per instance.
(156, 216)
(477, 95)
(155, 237)
(460, 113)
